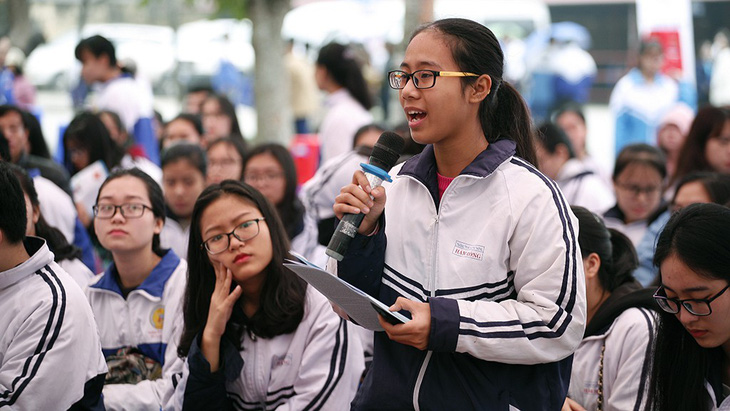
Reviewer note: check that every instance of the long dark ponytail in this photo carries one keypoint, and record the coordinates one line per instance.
(503, 114)
(617, 254)
(342, 64)
(55, 239)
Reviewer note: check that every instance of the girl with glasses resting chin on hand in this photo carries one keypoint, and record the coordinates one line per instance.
(256, 336)
(691, 369)
(137, 300)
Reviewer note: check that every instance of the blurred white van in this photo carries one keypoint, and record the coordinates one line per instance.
(513, 18)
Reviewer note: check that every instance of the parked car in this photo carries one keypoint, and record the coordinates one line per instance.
(151, 48)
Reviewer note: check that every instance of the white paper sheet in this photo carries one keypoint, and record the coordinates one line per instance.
(359, 306)
(86, 183)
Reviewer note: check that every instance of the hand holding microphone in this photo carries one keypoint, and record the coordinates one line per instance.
(357, 200)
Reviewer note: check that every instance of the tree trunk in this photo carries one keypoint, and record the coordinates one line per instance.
(417, 13)
(19, 18)
(275, 122)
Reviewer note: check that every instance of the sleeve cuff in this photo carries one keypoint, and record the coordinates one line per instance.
(444, 324)
(230, 367)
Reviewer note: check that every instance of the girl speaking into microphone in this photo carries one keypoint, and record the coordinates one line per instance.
(481, 248)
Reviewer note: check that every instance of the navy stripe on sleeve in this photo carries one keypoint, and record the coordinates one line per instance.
(399, 289)
(289, 388)
(646, 366)
(238, 403)
(402, 279)
(283, 394)
(52, 328)
(568, 236)
(508, 280)
(338, 353)
(496, 291)
(570, 242)
(567, 288)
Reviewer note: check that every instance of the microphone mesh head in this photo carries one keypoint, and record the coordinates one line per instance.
(387, 150)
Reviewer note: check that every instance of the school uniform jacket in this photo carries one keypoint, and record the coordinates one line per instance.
(150, 319)
(624, 324)
(718, 402)
(497, 260)
(581, 186)
(316, 367)
(50, 356)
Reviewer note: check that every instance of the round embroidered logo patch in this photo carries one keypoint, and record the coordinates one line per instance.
(158, 316)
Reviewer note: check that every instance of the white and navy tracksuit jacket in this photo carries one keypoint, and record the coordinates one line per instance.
(624, 324)
(714, 391)
(497, 259)
(316, 367)
(150, 319)
(50, 356)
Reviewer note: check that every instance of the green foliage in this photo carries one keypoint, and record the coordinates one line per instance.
(232, 8)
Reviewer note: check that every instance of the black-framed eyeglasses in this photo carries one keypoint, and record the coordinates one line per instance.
(636, 191)
(264, 177)
(421, 78)
(129, 210)
(695, 306)
(243, 232)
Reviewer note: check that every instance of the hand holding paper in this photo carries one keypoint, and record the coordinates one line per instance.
(359, 306)
(415, 332)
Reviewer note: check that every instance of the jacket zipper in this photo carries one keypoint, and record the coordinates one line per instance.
(432, 279)
(256, 373)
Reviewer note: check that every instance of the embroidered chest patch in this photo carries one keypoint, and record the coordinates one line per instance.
(279, 361)
(475, 252)
(157, 317)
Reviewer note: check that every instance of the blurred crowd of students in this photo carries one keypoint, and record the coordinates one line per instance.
(156, 209)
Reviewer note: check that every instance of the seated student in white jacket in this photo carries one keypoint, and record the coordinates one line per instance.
(581, 184)
(319, 192)
(609, 368)
(183, 179)
(137, 300)
(692, 355)
(270, 169)
(256, 335)
(638, 180)
(50, 358)
(66, 255)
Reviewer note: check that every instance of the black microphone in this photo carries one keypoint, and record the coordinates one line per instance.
(384, 156)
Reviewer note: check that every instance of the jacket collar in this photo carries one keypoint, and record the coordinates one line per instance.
(714, 374)
(614, 212)
(625, 296)
(573, 168)
(337, 97)
(40, 256)
(422, 166)
(154, 284)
